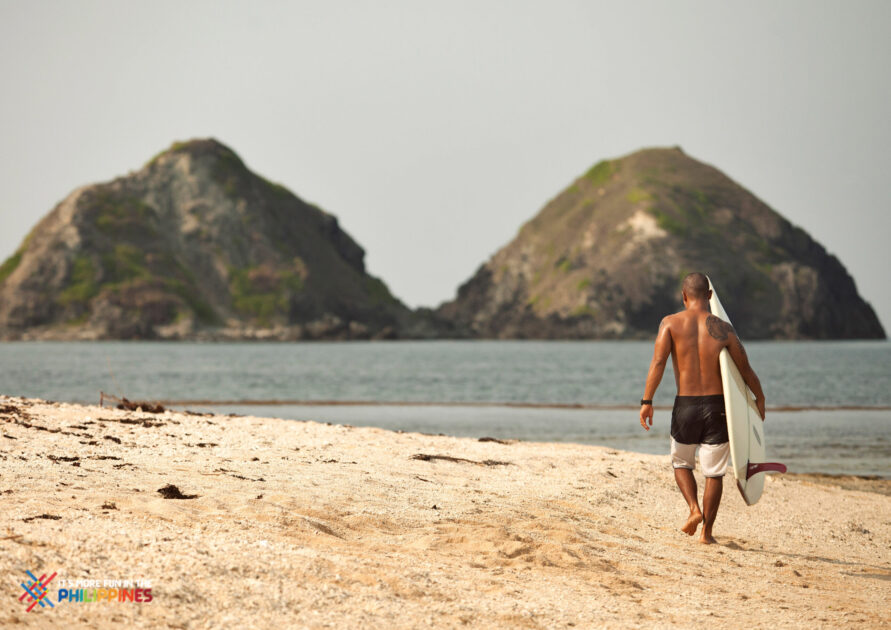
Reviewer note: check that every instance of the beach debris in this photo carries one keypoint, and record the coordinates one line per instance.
(131, 405)
(114, 439)
(234, 474)
(434, 507)
(50, 517)
(146, 422)
(322, 527)
(108, 505)
(172, 492)
(425, 457)
(6, 435)
(612, 474)
(62, 458)
(491, 439)
(857, 528)
(28, 425)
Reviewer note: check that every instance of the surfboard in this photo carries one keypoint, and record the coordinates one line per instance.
(748, 450)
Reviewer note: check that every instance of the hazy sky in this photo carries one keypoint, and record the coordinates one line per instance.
(433, 130)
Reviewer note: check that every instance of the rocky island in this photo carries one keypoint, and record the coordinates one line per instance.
(605, 257)
(194, 245)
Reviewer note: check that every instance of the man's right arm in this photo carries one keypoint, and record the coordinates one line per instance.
(739, 356)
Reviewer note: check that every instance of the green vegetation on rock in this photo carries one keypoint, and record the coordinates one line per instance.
(186, 291)
(10, 265)
(176, 146)
(583, 311)
(122, 217)
(636, 195)
(600, 173)
(230, 172)
(668, 221)
(378, 293)
(277, 189)
(82, 282)
(125, 262)
(263, 292)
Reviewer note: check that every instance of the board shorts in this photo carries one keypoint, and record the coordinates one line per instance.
(700, 421)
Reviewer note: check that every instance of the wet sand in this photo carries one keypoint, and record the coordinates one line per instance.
(304, 524)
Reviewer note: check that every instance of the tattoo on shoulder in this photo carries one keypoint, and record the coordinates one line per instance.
(718, 328)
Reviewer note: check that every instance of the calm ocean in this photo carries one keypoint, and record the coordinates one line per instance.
(812, 377)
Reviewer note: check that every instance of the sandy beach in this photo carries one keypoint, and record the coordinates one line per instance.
(310, 525)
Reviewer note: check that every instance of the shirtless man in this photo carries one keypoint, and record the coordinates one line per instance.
(694, 339)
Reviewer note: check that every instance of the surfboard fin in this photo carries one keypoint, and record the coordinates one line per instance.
(754, 469)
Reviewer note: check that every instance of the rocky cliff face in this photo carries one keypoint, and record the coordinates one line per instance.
(605, 258)
(194, 245)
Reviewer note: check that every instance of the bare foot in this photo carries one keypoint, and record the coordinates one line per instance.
(692, 523)
(707, 539)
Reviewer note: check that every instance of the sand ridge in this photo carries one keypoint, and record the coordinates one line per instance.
(304, 524)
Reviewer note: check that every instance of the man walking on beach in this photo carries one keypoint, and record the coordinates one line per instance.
(694, 338)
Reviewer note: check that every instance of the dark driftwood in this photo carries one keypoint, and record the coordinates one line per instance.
(131, 405)
(424, 457)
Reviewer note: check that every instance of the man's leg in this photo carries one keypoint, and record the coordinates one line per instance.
(683, 459)
(711, 499)
(714, 459)
(687, 484)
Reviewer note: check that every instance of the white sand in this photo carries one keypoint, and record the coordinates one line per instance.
(301, 524)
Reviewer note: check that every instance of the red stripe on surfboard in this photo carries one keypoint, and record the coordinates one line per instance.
(754, 469)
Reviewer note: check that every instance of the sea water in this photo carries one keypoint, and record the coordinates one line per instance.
(840, 391)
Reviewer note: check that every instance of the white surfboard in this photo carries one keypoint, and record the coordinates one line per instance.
(744, 424)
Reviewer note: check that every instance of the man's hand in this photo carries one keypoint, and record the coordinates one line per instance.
(646, 413)
(759, 402)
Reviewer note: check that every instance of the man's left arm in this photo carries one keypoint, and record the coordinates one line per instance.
(661, 353)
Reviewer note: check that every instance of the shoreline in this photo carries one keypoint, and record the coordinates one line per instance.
(517, 405)
(298, 523)
(862, 483)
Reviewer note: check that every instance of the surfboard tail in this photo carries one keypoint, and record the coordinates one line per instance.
(754, 469)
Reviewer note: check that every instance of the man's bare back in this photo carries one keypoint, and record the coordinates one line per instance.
(694, 339)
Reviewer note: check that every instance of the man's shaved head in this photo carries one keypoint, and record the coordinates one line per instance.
(696, 286)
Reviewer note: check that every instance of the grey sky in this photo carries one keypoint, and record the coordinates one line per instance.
(433, 130)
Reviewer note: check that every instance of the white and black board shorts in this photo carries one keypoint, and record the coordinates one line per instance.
(700, 421)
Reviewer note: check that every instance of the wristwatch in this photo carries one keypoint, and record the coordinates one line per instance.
(646, 402)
